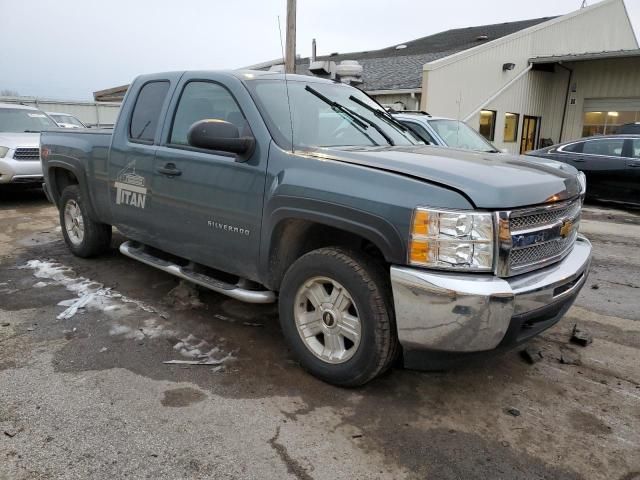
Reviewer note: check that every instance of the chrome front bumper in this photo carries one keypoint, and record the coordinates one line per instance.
(463, 313)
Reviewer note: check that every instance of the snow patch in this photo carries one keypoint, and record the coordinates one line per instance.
(89, 294)
(95, 296)
(197, 348)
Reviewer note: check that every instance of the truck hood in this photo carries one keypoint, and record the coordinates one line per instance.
(490, 181)
(14, 140)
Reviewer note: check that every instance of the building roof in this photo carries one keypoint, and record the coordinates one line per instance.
(580, 57)
(394, 68)
(115, 94)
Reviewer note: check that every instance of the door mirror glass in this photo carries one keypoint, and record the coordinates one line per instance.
(213, 134)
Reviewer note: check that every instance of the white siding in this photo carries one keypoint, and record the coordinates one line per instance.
(614, 78)
(473, 76)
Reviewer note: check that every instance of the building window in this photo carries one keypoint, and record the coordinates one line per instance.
(606, 123)
(511, 121)
(488, 124)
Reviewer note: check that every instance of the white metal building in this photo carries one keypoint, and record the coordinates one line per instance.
(543, 82)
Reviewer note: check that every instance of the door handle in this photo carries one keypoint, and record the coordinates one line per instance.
(578, 160)
(170, 170)
(635, 165)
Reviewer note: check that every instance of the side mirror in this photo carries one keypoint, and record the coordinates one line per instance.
(219, 135)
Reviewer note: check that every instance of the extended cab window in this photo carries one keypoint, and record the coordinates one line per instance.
(204, 100)
(146, 112)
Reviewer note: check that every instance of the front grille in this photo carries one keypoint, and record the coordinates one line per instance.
(541, 252)
(538, 236)
(547, 217)
(27, 154)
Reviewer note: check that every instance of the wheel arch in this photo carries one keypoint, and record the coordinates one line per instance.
(60, 175)
(292, 232)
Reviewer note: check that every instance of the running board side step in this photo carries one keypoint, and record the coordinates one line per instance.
(137, 252)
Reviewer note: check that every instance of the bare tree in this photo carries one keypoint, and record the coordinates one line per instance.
(9, 93)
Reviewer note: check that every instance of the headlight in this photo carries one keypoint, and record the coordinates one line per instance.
(3, 151)
(582, 180)
(456, 240)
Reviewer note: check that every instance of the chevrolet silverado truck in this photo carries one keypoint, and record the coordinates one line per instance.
(306, 192)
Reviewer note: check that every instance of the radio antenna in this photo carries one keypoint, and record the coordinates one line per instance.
(286, 83)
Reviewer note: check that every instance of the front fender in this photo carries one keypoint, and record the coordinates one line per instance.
(373, 228)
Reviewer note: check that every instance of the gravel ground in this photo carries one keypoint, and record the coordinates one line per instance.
(84, 392)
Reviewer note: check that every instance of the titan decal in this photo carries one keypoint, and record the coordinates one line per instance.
(130, 189)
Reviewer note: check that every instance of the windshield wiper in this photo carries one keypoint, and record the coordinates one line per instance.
(357, 118)
(383, 114)
(337, 107)
(32, 131)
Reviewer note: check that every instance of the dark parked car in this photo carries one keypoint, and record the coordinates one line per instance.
(629, 128)
(610, 163)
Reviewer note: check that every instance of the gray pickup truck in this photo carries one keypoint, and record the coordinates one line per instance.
(306, 192)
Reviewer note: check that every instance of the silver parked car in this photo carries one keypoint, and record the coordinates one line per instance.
(20, 128)
(444, 132)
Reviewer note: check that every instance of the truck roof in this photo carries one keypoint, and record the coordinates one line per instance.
(247, 75)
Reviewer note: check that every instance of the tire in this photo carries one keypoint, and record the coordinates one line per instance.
(89, 238)
(361, 289)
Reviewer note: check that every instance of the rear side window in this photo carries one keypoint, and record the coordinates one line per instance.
(205, 100)
(573, 148)
(146, 112)
(611, 147)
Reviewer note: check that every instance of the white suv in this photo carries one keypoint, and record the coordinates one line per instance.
(20, 128)
(445, 132)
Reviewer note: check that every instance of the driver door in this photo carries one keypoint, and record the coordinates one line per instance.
(209, 204)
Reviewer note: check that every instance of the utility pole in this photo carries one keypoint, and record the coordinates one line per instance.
(290, 54)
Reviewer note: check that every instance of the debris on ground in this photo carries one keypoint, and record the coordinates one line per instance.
(251, 324)
(194, 362)
(532, 354)
(514, 412)
(581, 336)
(569, 357)
(5, 324)
(103, 349)
(595, 286)
(30, 329)
(184, 296)
(11, 434)
(224, 319)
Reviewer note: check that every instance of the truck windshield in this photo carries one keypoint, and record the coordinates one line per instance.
(325, 115)
(457, 134)
(18, 120)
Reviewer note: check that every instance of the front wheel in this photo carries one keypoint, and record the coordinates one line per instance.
(336, 314)
(84, 236)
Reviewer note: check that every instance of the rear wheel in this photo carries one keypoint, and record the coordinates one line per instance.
(84, 236)
(336, 313)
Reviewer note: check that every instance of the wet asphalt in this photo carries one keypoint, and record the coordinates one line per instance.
(90, 397)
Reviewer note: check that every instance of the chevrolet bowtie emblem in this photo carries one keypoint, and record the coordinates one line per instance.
(566, 228)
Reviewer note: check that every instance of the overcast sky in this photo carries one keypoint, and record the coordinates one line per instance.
(70, 48)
